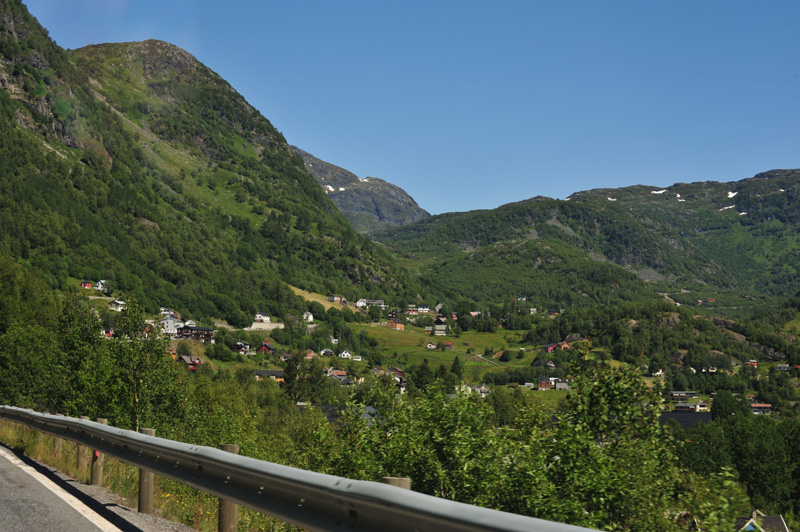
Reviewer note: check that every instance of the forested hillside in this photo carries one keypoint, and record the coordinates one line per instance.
(722, 237)
(136, 164)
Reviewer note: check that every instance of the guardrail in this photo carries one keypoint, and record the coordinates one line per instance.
(313, 501)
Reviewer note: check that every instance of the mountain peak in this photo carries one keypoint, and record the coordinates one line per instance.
(159, 59)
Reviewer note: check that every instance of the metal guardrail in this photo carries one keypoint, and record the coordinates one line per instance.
(313, 501)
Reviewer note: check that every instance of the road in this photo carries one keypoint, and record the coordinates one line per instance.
(34, 497)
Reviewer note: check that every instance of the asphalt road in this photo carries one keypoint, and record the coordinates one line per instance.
(34, 497)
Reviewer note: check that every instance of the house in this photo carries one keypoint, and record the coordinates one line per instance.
(310, 353)
(190, 323)
(327, 352)
(562, 386)
(87, 285)
(116, 305)
(782, 367)
(681, 395)
(398, 375)
(240, 347)
(361, 303)
(308, 317)
(274, 375)
(265, 348)
(356, 358)
(753, 363)
(108, 333)
(101, 285)
(475, 314)
(544, 384)
(429, 330)
(558, 345)
(448, 346)
(345, 354)
(759, 522)
(395, 324)
(334, 341)
(171, 324)
(687, 407)
(412, 312)
(431, 345)
(164, 311)
(376, 303)
(190, 361)
(539, 363)
(483, 390)
(423, 309)
(286, 357)
(440, 330)
(203, 334)
(262, 317)
(377, 371)
(333, 298)
(764, 409)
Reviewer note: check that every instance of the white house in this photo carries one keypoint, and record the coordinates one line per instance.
(101, 285)
(262, 317)
(345, 354)
(334, 341)
(308, 317)
(170, 325)
(361, 303)
(116, 305)
(423, 308)
(165, 311)
(356, 358)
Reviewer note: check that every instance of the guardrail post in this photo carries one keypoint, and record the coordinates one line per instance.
(228, 518)
(96, 478)
(83, 454)
(57, 446)
(400, 482)
(146, 481)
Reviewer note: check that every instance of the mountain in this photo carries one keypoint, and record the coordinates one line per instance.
(135, 163)
(370, 204)
(720, 237)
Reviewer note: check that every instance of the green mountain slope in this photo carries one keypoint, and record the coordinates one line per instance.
(135, 163)
(716, 236)
(749, 227)
(370, 204)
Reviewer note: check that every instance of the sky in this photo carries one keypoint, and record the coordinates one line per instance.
(474, 104)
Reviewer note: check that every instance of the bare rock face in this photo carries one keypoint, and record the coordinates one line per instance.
(670, 320)
(370, 204)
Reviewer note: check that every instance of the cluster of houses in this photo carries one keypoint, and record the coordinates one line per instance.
(100, 285)
(680, 398)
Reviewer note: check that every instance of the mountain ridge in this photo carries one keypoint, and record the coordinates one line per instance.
(371, 203)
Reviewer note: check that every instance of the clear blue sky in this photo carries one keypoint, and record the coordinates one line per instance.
(469, 105)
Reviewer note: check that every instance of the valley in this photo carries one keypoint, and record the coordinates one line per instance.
(254, 293)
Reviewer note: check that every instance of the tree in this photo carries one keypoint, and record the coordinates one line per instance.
(725, 406)
(146, 389)
(456, 368)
